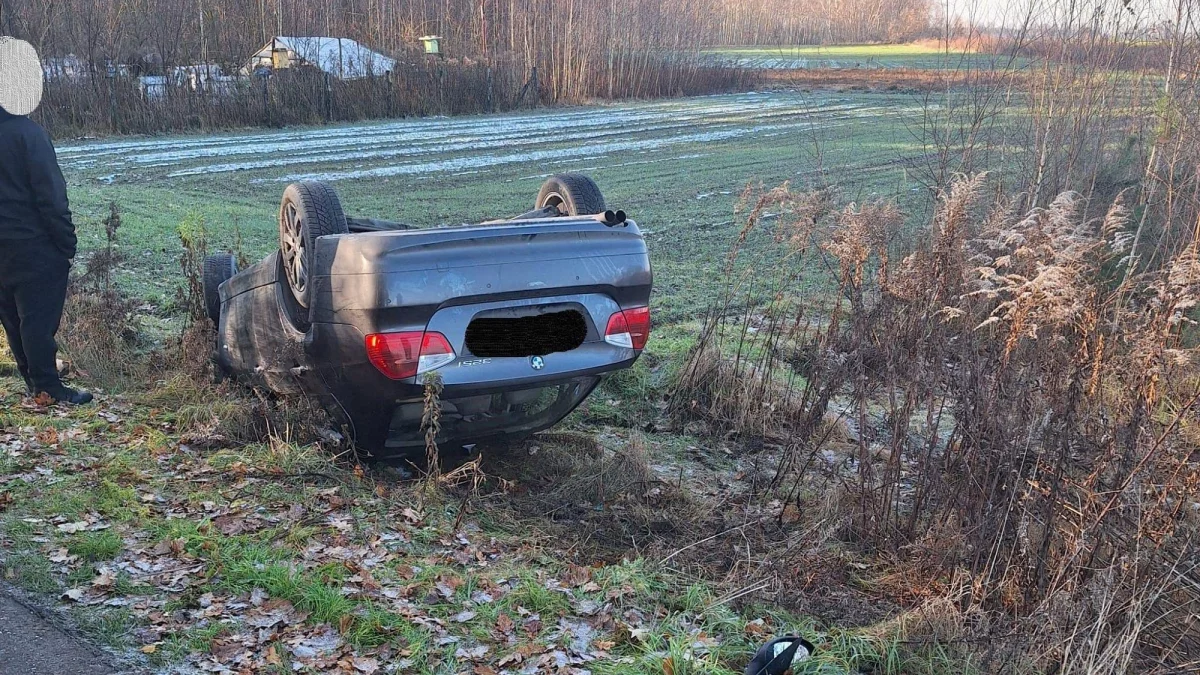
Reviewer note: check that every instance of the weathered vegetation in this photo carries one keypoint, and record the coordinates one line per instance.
(928, 395)
(132, 67)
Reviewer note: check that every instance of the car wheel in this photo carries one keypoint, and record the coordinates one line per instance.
(573, 193)
(309, 210)
(218, 268)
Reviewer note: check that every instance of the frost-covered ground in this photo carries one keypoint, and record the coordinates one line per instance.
(676, 166)
(420, 147)
(919, 56)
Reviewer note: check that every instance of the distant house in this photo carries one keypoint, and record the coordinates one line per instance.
(152, 87)
(69, 68)
(341, 57)
(204, 77)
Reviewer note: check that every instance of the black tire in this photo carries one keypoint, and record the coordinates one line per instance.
(573, 193)
(309, 210)
(218, 268)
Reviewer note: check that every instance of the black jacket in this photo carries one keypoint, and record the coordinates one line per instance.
(33, 194)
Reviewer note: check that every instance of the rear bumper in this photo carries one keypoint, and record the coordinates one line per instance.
(465, 420)
(385, 415)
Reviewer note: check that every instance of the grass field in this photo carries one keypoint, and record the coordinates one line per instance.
(677, 167)
(172, 547)
(912, 55)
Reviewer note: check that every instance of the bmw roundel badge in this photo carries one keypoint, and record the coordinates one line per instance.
(537, 362)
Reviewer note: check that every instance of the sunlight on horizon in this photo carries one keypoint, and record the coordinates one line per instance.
(1012, 13)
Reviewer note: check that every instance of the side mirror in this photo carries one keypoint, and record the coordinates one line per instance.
(779, 655)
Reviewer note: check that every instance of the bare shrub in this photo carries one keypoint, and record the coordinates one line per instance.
(194, 347)
(99, 333)
(1019, 409)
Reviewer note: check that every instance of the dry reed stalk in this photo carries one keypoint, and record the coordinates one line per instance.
(1014, 419)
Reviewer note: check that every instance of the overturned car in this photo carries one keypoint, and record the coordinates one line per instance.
(519, 318)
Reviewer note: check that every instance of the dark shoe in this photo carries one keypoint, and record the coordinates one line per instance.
(72, 396)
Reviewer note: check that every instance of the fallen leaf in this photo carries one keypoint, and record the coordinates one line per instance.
(105, 579)
(504, 624)
(313, 645)
(231, 525)
(473, 653)
(365, 665)
(463, 616)
(62, 556)
(756, 627)
(446, 585)
(149, 649)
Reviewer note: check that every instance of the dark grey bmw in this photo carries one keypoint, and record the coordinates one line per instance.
(520, 318)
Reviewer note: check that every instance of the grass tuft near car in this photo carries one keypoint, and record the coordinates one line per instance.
(519, 318)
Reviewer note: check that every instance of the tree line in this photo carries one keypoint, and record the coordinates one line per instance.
(153, 34)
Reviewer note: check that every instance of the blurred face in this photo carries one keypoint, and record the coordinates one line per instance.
(20, 76)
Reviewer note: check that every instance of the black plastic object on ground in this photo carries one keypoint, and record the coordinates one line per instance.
(779, 655)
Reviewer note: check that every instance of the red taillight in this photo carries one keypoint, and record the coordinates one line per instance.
(403, 355)
(629, 328)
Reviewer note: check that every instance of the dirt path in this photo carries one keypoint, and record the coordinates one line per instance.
(31, 645)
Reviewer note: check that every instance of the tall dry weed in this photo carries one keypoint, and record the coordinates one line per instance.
(99, 332)
(1010, 392)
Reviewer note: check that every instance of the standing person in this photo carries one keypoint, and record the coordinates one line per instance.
(37, 240)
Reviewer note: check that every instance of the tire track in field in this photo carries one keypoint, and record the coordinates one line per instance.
(412, 147)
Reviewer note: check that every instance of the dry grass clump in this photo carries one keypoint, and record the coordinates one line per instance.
(99, 337)
(208, 414)
(609, 496)
(99, 333)
(743, 398)
(204, 413)
(1024, 414)
(736, 374)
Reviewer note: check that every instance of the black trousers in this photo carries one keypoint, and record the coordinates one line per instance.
(33, 289)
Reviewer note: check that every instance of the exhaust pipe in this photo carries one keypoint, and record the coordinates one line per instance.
(613, 218)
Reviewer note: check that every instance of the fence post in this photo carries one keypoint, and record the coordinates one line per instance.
(491, 103)
(266, 103)
(328, 99)
(112, 104)
(441, 88)
(389, 94)
(537, 94)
